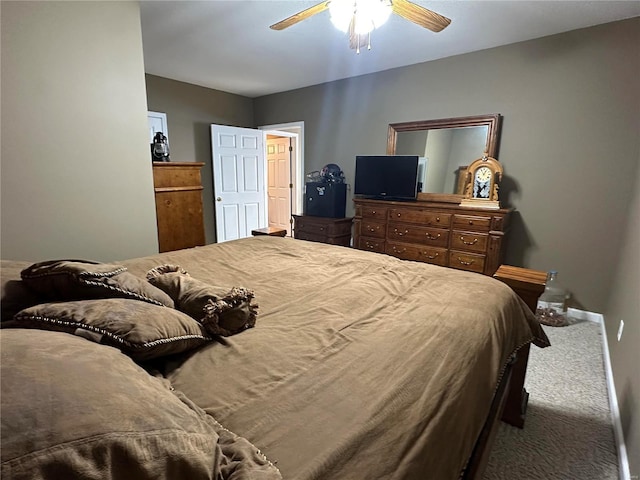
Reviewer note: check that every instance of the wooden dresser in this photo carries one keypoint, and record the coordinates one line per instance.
(336, 231)
(440, 233)
(178, 190)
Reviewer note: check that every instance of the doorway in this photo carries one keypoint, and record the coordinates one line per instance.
(289, 135)
(250, 192)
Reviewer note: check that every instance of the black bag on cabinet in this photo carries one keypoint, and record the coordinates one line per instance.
(325, 199)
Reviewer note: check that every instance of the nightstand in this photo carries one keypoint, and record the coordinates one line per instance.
(335, 231)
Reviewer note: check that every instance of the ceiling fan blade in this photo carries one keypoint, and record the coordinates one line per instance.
(302, 15)
(420, 15)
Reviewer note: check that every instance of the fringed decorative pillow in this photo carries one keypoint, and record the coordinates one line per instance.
(222, 311)
(139, 329)
(62, 280)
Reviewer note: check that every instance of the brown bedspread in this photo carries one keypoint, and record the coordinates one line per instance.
(361, 366)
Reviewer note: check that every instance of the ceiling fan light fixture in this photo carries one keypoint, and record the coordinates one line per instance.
(366, 14)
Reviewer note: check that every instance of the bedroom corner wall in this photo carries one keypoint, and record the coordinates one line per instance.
(624, 304)
(76, 170)
(191, 110)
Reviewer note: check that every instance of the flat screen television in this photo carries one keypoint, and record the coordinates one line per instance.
(387, 177)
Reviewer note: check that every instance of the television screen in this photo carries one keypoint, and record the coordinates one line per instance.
(386, 176)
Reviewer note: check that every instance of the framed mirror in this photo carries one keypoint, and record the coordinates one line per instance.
(446, 147)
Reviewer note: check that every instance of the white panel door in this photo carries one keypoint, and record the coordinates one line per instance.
(238, 181)
(279, 181)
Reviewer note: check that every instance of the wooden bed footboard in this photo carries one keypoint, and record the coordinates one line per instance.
(510, 401)
(529, 285)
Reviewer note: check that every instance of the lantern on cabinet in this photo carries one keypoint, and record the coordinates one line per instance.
(160, 148)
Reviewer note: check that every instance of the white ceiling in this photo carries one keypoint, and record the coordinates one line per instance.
(228, 45)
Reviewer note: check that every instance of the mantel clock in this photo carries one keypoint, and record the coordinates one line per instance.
(481, 185)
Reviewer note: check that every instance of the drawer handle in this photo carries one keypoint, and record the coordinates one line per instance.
(431, 237)
(430, 257)
(322, 229)
(370, 246)
(398, 214)
(470, 222)
(400, 234)
(437, 219)
(395, 250)
(371, 229)
(462, 262)
(475, 240)
(373, 212)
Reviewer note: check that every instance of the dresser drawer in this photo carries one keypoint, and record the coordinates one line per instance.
(470, 222)
(419, 216)
(379, 213)
(322, 227)
(372, 244)
(436, 256)
(472, 262)
(469, 241)
(372, 229)
(311, 228)
(405, 232)
(176, 174)
(343, 240)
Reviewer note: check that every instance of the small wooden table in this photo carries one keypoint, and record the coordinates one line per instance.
(271, 231)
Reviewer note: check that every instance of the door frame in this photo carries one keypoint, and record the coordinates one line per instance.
(163, 120)
(292, 129)
(281, 134)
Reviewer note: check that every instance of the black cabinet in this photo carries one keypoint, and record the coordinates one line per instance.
(325, 199)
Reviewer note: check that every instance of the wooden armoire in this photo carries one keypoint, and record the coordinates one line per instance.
(178, 193)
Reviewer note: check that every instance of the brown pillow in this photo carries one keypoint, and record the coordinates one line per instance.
(222, 311)
(73, 409)
(140, 329)
(61, 280)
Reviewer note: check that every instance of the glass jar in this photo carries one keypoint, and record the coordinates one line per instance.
(552, 304)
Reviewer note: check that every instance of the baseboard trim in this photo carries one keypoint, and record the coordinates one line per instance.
(623, 459)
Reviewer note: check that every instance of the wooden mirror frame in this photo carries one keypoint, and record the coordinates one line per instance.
(492, 121)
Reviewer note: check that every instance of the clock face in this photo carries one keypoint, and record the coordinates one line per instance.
(483, 174)
(482, 183)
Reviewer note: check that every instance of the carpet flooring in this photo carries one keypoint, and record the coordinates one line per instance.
(568, 432)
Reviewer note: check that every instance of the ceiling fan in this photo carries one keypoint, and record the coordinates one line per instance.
(360, 17)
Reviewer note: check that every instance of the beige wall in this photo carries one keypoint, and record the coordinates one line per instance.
(570, 148)
(624, 304)
(76, 173)
(190, 112)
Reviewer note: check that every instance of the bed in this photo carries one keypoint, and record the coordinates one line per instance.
(357, 366)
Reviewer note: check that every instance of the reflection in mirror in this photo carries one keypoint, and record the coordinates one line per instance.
(444, 155)
(447, 146)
